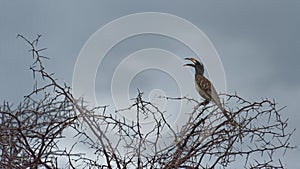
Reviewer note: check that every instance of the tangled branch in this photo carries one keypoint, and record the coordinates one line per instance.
(30, 133)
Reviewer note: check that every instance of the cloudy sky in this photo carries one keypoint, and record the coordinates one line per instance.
(257, 42)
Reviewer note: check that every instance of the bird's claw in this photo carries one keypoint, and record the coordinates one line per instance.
(204, 103)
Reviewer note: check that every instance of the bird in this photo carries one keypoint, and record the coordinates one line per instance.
(206, 89)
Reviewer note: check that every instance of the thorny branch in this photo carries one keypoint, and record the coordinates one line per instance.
(30, 133)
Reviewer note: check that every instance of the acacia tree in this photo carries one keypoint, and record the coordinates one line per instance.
(30, 133)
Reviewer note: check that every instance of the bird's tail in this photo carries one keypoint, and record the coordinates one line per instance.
(228, 117)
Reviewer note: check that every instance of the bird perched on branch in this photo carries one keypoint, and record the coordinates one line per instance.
(206, 89)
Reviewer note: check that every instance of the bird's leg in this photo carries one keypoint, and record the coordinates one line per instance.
(205, 102)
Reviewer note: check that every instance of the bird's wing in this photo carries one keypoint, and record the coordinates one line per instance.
(209, 90)
(211, 94)
(204, 87)
(215, 96)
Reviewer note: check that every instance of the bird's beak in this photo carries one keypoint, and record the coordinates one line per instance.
(189, 65)
(191, 59)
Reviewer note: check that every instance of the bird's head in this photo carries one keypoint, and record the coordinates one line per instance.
(199, 68)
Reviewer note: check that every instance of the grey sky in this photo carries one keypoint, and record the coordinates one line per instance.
(258, 43)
